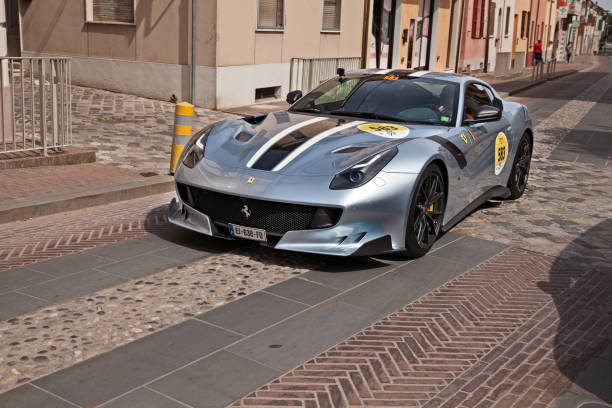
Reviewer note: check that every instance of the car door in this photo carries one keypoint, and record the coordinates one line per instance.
(482, 136)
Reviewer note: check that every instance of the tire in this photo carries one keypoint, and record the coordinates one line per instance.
(426, 212)
(517, 183)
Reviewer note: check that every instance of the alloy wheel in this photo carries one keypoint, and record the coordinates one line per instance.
(429, 210)
(521, 167)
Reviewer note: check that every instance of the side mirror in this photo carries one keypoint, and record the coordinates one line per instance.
(485, 114)
(293, 97)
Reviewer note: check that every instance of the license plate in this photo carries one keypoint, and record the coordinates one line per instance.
(247, 232)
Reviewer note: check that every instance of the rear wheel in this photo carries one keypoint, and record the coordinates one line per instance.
(426, 212)
(520, 168)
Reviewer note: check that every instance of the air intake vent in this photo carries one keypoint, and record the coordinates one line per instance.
(244, 136)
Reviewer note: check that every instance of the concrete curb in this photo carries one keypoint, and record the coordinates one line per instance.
(562, 74)
(541, 81)
(29, 207)
(69, 155)
(525, 87)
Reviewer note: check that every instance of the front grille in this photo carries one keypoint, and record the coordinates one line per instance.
(272, 216)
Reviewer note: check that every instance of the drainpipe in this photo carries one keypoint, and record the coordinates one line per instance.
(549, 30)
(193, 52)
(459, 36)
(528, 32)
(429, 33)
(486, 59)
(366, 34)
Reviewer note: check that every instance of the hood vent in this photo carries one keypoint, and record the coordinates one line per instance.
(255, 120)
(244, 136)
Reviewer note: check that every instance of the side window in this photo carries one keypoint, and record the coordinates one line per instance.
(494, 101)
(476, 95)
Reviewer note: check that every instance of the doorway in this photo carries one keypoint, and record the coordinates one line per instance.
(381, 39)
(12, 28)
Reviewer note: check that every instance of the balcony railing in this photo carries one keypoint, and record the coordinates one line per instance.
(35, 103)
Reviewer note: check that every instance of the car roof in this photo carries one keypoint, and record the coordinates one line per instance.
(445, 76)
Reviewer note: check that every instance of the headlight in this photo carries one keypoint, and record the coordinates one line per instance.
(194, 149)
(363, 171)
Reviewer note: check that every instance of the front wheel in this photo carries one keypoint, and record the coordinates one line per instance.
(520, 169)
(426, 212)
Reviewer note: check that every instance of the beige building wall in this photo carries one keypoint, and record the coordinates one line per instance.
(444, 24)
(152, 56)
(241, 43)
(550, 22)
(249, 58)
(521, 41)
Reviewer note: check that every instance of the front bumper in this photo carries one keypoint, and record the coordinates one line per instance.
(372, 222)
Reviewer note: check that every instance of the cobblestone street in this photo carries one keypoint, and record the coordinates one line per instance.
(129, 131)
(112, 306)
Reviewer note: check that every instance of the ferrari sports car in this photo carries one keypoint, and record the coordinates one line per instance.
(369, 162)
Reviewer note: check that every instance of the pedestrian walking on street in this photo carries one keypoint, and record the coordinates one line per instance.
(568, 52)
(537, 52)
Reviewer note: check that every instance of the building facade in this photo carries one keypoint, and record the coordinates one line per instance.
(243, 47)
(249, 51)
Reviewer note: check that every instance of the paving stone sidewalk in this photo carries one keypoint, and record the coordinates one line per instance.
(508, 333)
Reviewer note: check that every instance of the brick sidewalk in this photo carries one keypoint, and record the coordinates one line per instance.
(51, 236)
(507, 333)
(579, 62)
(35, 181)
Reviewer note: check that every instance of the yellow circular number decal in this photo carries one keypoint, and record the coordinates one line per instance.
(501, 152)
(386, 130)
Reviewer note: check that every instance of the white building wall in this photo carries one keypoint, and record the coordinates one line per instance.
(236, 84)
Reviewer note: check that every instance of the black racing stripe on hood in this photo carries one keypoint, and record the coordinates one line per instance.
(454, 150)
(292, 141)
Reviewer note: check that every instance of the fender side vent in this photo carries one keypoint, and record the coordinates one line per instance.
(349, 149)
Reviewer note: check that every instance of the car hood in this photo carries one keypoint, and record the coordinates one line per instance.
(302, 144)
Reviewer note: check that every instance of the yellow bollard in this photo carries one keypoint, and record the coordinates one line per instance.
(183, 121)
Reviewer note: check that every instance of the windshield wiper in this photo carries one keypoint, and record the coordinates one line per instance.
(371, 115)
(307, 110)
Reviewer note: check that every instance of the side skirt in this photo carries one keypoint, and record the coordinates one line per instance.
(495, 192)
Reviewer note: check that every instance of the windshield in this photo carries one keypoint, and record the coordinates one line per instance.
(387, 97)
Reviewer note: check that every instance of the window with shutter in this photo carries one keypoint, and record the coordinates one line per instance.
(475, 18)
(271, 15)
(111, 11)
(331, 15)
(507, 21)
(482, 18)
(492, 25)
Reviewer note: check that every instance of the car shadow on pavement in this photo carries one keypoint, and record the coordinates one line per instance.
(580, 284)
(157, 224)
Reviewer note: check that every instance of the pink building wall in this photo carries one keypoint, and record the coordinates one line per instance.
(538, 15)
(473, 49)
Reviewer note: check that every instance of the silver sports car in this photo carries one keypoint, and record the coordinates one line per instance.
(369, 162)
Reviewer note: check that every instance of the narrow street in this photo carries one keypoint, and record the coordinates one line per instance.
(112, 305)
